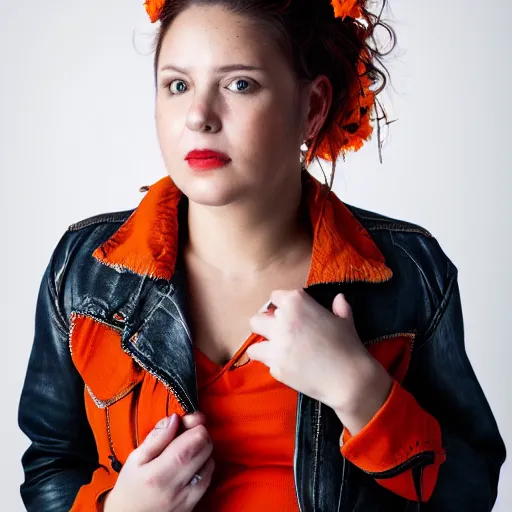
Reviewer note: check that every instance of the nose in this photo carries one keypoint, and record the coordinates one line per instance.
(201, 116)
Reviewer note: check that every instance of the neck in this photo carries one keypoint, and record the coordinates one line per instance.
(249, 237)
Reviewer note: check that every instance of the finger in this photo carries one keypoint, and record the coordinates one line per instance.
(196, 492)
(283, 297)
(184, 457)
(340, 307)
(261, 324)
(157, 440)
(260, 352)
(193, 420)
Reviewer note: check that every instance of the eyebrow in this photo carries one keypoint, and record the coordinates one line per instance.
(222, 69)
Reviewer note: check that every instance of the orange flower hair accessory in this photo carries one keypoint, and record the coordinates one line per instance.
(154, 9)
(344, 8)
(352, 128)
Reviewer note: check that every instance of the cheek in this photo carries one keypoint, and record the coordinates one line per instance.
(162, 125)
(169, 128)
(269, 126)
(165, 121)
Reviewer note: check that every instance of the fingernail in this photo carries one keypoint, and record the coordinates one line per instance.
(167, 422)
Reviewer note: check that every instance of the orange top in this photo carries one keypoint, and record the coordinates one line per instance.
(251, 419)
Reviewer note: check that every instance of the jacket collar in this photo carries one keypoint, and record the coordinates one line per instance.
(343, 251)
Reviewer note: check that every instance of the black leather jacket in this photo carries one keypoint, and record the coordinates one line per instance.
(422, 297)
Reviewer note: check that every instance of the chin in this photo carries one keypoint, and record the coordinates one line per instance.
(212, 188)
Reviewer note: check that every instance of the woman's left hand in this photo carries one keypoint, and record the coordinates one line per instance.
(319, 353)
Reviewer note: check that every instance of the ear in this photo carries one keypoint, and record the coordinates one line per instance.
(318, 103)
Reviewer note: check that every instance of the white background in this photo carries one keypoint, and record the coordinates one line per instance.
(77, 138)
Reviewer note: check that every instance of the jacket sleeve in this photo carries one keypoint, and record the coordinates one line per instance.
(445, 384)
(62, 456)
(437, 441)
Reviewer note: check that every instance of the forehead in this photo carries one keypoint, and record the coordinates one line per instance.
(208, 36)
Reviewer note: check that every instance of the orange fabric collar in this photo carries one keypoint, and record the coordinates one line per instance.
(343, 251)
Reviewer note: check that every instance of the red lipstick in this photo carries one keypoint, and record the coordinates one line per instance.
(206, 159)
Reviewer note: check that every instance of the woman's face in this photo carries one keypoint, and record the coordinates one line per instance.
(223, 84)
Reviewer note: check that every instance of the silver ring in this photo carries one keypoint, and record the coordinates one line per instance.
(195, 480)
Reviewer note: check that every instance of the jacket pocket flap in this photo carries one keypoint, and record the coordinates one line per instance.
(108, 372)
(393, 351)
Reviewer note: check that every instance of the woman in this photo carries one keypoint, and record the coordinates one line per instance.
(350, 389)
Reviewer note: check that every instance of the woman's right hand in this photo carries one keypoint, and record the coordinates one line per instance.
(157, 474)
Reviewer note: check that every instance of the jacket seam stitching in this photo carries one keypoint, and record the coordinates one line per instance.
(55, 312)
(439, 314)
(393, 224)
(418, 266)
(400, 229)
(378, 339)
(98, 219)
(58, 321)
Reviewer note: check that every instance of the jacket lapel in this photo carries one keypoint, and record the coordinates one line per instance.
(148, 242)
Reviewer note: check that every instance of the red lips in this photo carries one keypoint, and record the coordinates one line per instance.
(206, 159)
(206, 153)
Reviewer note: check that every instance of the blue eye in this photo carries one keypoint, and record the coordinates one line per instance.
(240, 84)
(179, 86)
